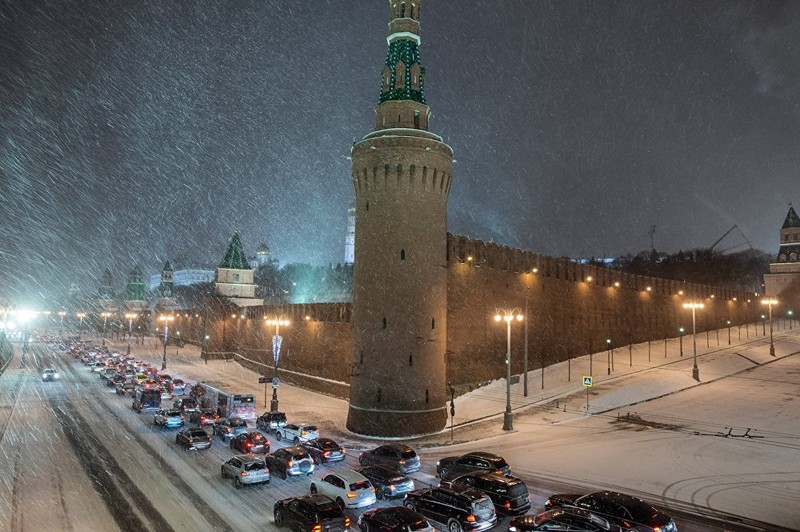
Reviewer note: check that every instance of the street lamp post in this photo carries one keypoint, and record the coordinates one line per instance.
(81, 315)
(508, 315)
(130, 316)
(680, 338)
(729, 332)
(105, 318)
(63, 313)
(608, 355)
(166, 320)
(695, 369)
(769, 302)
(277, 339)
(790, 313)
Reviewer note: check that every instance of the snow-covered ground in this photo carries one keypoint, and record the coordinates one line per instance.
(649, 429)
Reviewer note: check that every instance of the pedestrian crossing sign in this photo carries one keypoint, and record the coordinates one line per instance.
(587, 380)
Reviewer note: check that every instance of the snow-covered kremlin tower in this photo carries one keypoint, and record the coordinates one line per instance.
(783, 279)
(401, 175)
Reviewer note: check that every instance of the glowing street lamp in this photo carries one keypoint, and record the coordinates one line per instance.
(131, 316)
(790, 313)
(508, 315)
(680, 338)
(277, 339)
(81, 315)
(165, 320)
(729, 332)
(695, 369)
(769, 302)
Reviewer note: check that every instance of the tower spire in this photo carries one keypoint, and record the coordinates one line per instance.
(402, 98)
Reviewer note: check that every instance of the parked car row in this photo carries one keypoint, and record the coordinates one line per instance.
(475, 489)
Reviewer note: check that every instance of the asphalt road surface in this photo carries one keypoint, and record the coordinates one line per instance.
(75, 456)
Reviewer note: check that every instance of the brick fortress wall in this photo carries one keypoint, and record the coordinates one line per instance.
(569, 317)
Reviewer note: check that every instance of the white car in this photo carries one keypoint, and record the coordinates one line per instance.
(350, 489)
(297, 432)
(50, 375)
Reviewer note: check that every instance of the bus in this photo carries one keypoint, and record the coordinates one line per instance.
(225, 399)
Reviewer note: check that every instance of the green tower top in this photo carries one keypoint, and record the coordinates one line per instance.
(134, 290)
(403, 76)
(235, 259)
(792, 220)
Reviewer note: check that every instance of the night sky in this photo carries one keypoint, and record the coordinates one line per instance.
(136, 132)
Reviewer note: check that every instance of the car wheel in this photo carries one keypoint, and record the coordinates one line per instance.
(278, 436)
(340, 503)
(444, 472)
(283, 474)
(296, 440)
(410, 506)
(237, 483)
(379, 494)
(313, 489)
(454, 526)
(278, 518)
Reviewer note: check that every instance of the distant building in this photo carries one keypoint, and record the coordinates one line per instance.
(184, 277)
(783, 278)
(350, 238)
(261, 258)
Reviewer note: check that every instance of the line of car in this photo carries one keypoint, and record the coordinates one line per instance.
(473, 488)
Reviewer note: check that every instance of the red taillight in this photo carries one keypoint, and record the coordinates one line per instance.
(498, 471)
(244, 473)
(344, 451)
(326, 453)
(507, 505)
(248, 444)
(346, 522)
(470, 518)
(317, 528)
(351, 495)
(191, 442)
(402, 462)
(657, 529)
(290, 463)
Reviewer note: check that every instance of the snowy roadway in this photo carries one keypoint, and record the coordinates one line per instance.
(76, 457)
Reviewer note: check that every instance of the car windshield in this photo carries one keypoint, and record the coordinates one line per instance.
(408, 454)
(237, 422)
(256, 437)
(310, 428)
(418, 525)
(360, 485)
(198, 432)
(517, 489)
(640, 511)
(482, 506)
(254, 466)
(328, 512)
(499, 463)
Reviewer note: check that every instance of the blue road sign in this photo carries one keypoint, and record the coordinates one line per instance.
(275, 382)
(587, 380)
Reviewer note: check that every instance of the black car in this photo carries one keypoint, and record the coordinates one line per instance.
(324, 450)
(395, 455)
(477, 461)
(626, 511)
(310, 512)
(388, 482)
(290, 461)
(193, 438)
(187, 404)
(509, 494)
(393, 519)
(562, 519)
(250, 442)
(457, 510)
(271, 421)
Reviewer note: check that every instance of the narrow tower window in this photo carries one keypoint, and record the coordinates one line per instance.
(410, 359)
(361, 357)
(402, 254)
(384, 322)
(367, 206)
(433, 323)
(427, 395)
(379, 395)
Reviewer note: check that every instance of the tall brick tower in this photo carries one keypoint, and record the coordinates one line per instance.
(401, 176)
